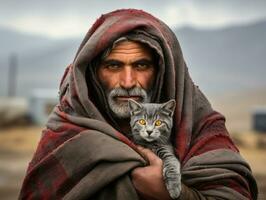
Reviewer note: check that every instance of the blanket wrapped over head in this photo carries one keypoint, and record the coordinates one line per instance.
(83, 154)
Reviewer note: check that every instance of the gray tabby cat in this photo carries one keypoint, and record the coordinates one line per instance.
(151, 126)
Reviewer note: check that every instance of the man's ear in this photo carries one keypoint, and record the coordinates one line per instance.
(169, 107)
(134, 106)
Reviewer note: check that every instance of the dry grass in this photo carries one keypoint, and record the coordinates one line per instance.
(19, 139)
(16, 149)
(238, 107)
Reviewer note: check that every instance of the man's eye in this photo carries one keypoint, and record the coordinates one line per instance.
(112, 66)
(142, 66)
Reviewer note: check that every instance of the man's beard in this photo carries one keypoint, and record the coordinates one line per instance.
(121, 108)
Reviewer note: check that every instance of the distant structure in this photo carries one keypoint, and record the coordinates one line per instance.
(41, 103)
(12, 75)
(259, 119)
(13, 111)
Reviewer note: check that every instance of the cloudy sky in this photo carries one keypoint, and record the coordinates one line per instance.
(70, 18)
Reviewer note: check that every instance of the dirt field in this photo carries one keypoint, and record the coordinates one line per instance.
(18, 145)
(16, 149)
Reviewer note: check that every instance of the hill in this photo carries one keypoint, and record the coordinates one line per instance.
(226, 60)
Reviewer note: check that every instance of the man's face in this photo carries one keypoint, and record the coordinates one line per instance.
(127, 72)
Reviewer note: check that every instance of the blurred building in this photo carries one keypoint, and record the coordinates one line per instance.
(259, 119)
(13, 110)
(41, 103)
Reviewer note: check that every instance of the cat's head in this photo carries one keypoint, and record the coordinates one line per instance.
(151, 122)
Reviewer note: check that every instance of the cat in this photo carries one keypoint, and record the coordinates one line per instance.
(151, 126)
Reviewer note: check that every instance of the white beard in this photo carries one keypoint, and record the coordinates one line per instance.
(121, 109)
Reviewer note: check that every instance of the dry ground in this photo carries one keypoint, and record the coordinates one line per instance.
(19, 143)
(16, 149)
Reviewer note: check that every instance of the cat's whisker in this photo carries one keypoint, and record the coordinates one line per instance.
(163, 138)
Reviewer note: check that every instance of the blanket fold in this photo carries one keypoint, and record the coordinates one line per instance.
(83, 168)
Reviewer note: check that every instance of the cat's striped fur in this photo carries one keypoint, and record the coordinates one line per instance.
(151, 126)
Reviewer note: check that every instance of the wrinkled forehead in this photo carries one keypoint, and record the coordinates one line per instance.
(125, 45)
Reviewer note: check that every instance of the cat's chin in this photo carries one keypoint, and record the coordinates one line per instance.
(144, 141)
(148, 139)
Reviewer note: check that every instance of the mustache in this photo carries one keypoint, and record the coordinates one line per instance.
(136, 91)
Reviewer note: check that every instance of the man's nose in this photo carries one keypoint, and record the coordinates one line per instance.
(128, 78)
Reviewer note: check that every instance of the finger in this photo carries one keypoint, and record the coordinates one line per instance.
(139, 172)
(150, 156)
(135, 172)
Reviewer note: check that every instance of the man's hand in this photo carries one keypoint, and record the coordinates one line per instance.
(148, 180)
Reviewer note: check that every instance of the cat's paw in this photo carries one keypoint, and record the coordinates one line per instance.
(173, 183)
(174, 189)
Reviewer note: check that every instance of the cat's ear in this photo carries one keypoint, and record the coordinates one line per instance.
(134, 106)
(169, 107)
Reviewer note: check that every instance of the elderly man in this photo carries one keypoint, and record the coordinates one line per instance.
(86, 152)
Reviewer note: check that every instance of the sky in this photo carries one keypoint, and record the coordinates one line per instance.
(72, 18)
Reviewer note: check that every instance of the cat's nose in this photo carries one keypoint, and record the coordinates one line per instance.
(149, 132)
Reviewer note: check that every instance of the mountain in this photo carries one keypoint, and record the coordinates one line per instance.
(226, 60)
(45, 68)
(13, 41)
(220, 61)
(41, 61)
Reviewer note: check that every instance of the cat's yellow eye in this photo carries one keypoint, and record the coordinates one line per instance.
(142, 122)
(158, 123)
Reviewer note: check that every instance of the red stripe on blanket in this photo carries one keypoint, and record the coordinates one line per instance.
(218, 141)
(181, 140)
(233, 184)
(124, 139)
(49, 180)
(212, 135)
(51, 140)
